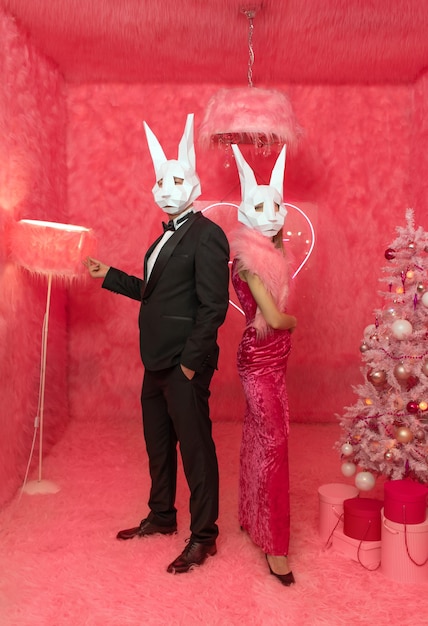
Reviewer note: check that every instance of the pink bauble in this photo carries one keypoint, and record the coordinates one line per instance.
(424, 299)
(402, 371)
(402, 329)
(370, 331)
(376, 377)
(347, 449)
(365, 481)
(348, 469)
(404, 434)
(389, 314)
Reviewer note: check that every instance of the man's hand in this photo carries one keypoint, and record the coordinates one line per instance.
(95, 268)
(188, 373)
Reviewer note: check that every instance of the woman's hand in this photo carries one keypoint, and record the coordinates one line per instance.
(96, 268)
(292, 322)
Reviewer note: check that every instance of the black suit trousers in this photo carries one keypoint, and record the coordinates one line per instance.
(176, 410)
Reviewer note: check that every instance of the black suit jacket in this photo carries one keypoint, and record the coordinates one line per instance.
(185, 299)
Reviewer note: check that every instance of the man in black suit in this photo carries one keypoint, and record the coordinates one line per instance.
(184, 299)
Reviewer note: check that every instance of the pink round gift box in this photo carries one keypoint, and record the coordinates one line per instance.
(331, 497)
(362, 519)
(405, 501)
(404, 551)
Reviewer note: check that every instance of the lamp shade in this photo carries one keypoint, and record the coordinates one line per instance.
(249, 115)
(51, 247)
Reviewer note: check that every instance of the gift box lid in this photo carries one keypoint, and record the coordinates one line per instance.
(362, 507)
(335, 493)
(405, 490)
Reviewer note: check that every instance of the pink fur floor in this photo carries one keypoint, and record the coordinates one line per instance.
(60, 564)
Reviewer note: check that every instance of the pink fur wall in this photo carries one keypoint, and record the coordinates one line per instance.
(361, 163)
(32, 185)
(354, 165)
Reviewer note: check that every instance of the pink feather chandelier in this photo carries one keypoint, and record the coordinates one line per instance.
(250, 115)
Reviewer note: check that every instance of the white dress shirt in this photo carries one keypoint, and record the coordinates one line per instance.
(167, 234)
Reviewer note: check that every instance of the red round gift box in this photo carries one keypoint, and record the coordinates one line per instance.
(362, 518)
(405, 501)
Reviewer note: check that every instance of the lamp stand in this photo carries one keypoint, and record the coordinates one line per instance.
(41, 486)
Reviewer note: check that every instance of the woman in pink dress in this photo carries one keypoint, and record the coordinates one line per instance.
(260, 279)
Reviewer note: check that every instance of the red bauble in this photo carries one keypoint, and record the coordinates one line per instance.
(412, 406)
(390, 254)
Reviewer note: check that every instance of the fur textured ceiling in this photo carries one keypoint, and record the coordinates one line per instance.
(191, 41)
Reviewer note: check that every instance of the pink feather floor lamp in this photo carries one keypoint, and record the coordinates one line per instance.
(52, 250)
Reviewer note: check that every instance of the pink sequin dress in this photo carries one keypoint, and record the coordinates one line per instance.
(264, 508)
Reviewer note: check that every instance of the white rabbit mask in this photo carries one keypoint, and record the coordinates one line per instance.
(261, 207)
(177, 183)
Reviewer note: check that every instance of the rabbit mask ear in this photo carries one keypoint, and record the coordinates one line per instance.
(177, 183)
(261, 207)
(277, 176)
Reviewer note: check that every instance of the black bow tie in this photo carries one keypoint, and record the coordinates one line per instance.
(171, 226)
(168, 226)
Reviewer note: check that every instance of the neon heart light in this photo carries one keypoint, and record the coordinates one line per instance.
(299, 232)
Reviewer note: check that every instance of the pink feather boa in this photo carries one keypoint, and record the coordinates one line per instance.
(256, 254)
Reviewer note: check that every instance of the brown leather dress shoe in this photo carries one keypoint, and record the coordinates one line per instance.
(194, 554)
(145, 529)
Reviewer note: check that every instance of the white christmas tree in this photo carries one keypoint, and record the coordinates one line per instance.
(386, 431)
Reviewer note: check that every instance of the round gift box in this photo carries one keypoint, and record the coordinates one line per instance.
(405, 501)
(331, 497)
(362, 519)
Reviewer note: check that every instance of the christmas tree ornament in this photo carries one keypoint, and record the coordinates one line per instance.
(365, 481)
(376, 377)
(389, 314)
(388, 456)
(404, 434)
(420, 288)
(412, 406)
(412, 381)
(398, 403)
(389, 254)
(402, 329)
(423, 405)
(402, 371)
(420, 435)
(348, 468)
(368, 401)
(410, 274)
(364, 347)
(424, 299)
(370, 331)
(347, 449)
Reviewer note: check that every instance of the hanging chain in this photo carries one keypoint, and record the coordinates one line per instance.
(250, 13)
